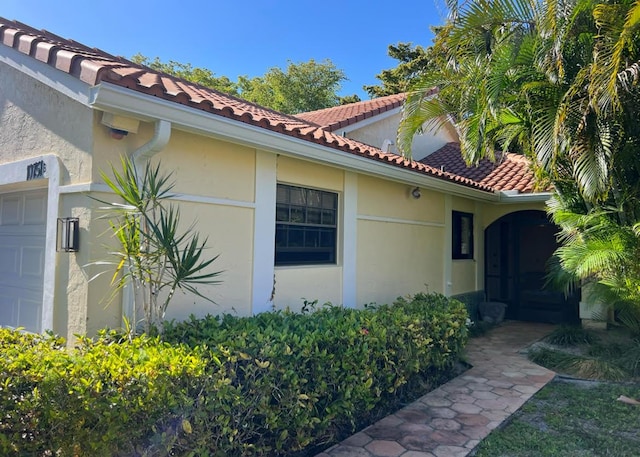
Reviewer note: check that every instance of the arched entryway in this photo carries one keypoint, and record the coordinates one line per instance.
(518, 247)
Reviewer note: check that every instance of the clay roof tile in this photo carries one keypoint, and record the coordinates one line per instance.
(509, 172)
(332, 119)
(94, 66)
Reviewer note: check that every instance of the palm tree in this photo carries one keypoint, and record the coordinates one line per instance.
(556, 81)
(534, 78)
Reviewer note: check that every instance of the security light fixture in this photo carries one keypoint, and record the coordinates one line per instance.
(68, 239)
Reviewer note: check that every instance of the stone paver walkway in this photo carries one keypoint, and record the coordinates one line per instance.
(452, 419)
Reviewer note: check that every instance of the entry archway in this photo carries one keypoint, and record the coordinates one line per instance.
(518, 247)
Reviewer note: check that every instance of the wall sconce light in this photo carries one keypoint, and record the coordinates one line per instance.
(415, 193)
(68, 236)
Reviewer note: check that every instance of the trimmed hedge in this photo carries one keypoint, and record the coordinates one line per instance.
(103, 398)
(272, 384)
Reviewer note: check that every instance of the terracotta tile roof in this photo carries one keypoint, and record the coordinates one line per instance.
(509, 172)
(338, 117)
(94, 66)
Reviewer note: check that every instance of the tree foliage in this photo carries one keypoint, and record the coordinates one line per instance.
(412, 62)
(198, 75)
(301, 87)
(348, 99)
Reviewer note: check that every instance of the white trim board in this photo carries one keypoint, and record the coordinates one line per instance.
(394, 220)
(190, 198)
(350, 240)
(264, 233)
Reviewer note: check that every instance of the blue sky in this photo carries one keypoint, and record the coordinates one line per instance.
(242, 37)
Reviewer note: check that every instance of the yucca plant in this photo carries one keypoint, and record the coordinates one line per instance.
(155, 257)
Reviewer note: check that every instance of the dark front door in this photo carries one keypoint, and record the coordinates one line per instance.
(517, 249)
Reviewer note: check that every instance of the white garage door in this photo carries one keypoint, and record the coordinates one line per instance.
(23, 218)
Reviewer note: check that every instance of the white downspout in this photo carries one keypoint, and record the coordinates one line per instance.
(157, 143)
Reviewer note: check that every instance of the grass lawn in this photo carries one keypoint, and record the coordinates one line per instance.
(571, 419)
(576, 418)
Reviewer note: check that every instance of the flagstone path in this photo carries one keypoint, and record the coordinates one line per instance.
(452, 419)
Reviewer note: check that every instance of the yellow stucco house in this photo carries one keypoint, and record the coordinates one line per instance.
(317, 206)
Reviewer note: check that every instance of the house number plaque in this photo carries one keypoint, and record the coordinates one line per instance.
(36, 170)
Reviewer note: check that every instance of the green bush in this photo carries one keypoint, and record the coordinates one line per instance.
(106, 397)
(272, 384)
(329, 369)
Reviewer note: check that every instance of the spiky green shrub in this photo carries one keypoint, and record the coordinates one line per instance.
(154, 256)
(571, 335)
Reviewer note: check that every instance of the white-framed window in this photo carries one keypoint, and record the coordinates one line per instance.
(306, 226)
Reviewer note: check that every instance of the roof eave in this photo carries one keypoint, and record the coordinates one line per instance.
(119, 100)
(63, 82)
(516, 197)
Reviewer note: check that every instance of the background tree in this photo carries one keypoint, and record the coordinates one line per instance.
(412, 63)
(304, 86)
(301, 87)
(197, 75)
(349, 99)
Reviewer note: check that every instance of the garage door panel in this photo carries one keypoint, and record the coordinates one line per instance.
(9, 310)
(9, 265)
(29, 314)
(35, 210)
(32, 263)
(11, 210)
(22, 256)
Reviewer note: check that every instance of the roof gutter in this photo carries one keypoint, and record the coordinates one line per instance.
(513, 196)
(120, 100)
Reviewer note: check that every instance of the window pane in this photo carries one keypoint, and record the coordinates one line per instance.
(312, 238)
(306, 226)
(282, 213)
(314, 216)
(314, 198)
(462, 235)
(328, 238)
(297, 196)
(281, 235)
(296, 237)
(328, 217)
(282, 195)
(465, 235)
(297, 214)
(329, 200)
